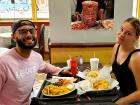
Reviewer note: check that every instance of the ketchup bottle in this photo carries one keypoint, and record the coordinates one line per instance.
(73, 69)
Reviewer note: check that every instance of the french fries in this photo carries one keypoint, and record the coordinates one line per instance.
(53, 90)
(101, 84)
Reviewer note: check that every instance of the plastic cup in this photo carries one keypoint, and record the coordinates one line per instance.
(94, 62)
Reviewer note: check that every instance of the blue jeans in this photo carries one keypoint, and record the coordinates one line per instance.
(135, 103)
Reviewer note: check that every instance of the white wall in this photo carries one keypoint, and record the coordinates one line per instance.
(60, 20)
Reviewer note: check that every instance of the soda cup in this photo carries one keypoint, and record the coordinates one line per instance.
(94, 62)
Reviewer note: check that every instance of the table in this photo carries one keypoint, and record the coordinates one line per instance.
(74, 99)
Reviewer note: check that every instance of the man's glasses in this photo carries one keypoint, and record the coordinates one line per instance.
(25, 31)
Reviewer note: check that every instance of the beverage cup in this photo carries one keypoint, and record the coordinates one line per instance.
(68, 63)
(94, 62)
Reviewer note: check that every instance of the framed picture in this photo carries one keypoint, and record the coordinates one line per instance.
(62, 32)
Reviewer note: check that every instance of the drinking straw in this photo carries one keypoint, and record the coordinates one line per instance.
(94, 54)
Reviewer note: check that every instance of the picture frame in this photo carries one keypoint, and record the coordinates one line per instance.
(60, 20)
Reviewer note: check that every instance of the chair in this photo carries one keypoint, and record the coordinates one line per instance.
(41, 41)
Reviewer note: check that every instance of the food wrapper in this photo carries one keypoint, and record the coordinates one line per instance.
(87, 85)
(83, 86)
(104, 75)
(56, 79)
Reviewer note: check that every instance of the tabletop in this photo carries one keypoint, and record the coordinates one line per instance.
(73, 98)
(89, 98)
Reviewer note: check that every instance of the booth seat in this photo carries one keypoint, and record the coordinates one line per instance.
(3, 50)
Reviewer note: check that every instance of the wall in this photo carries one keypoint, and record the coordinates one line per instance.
(59, 55)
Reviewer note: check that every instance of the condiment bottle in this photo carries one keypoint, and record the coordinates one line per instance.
(73, 69)
(80, 60)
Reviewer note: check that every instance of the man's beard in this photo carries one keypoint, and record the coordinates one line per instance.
(24, 46)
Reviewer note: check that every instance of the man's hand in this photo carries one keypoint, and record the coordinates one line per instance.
(65, 72)
(101, 14)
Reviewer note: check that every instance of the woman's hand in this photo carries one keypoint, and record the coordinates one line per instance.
(121, 101)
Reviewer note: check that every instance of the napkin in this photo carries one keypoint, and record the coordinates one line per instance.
(83, 86)
(56, 79)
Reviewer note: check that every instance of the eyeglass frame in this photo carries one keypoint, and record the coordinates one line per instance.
(25, 31)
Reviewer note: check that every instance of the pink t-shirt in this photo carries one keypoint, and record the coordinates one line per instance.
(17, 75)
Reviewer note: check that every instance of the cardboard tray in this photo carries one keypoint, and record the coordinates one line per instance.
(97, 97)
(111, 92)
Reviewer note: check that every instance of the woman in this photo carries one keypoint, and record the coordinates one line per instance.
(126, 62)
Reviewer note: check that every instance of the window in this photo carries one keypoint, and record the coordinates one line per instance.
(38, 9)
(42, 9)
(134, 12)
(14, 9)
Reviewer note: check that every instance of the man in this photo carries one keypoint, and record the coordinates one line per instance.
(19, 65)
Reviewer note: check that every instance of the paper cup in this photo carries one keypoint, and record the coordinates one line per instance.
(94, 62)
